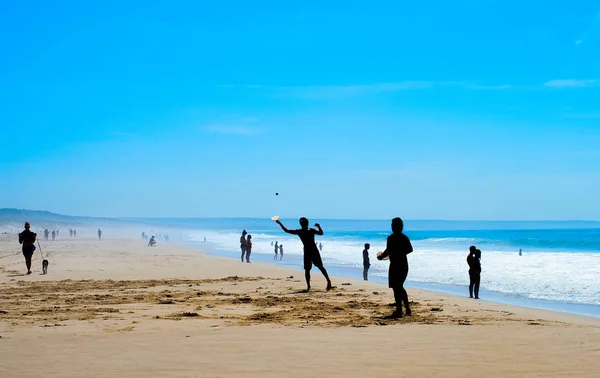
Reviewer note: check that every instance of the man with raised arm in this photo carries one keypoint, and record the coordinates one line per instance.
(311, 252)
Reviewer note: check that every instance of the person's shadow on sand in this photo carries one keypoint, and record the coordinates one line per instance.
(17, 275)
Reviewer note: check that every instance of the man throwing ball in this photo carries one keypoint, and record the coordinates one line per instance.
(27, 239)
(311, 253)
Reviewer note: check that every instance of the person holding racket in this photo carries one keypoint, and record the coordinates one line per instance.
(311, 252)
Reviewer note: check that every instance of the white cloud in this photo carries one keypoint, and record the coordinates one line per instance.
(232, 129)
(570, 83)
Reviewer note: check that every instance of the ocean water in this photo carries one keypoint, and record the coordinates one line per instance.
(560, 262)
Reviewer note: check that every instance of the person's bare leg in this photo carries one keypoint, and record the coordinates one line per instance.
(243, 253)
(398, 298)
(322, 269)
(405, 300)
(365, 270)
(28, 264)
(307, 277)
(248, 256)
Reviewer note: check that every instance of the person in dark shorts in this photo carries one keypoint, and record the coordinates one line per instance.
(366, 261)
(27, 240)
(311, 252)
(398, 247)
(280, 252)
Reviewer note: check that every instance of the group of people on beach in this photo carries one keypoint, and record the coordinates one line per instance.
(246, 245)
(397, 249)
(278, 249)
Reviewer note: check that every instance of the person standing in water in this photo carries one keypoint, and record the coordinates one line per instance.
(53, 235)
(276, 250)
(27, 240)
(520, 252)
(99, 234)
(474, 261)
(398, 247)
(248, 248)
(280, 252)
(311, 252)
(366, 261)
(243, 243)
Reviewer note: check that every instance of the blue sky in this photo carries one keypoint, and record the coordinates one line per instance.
(355, 109)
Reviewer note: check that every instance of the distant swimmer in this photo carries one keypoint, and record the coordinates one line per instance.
(311, 252)
(280, 252)
(520, 252)
(27, 240)
(366, 261)
(398, 247)
(276, 251)
(152, 241)
(243, 243)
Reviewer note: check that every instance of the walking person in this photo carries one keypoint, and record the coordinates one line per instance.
(243, 243)
(276, 250)
(366, 261)
(27, 240)
(398, 247)
(311, 252)
(280, 252)
(474, 261)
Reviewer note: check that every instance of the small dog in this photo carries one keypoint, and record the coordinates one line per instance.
(45, 264)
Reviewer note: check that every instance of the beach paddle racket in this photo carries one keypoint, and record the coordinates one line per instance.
(381, 253)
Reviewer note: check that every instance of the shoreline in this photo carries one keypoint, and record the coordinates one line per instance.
(347, 272)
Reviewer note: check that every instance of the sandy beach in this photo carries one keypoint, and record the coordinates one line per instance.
(119, 308)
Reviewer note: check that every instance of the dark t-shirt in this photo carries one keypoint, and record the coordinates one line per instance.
(308, 238)
(27, 237)
(474, 264)
(398, 246)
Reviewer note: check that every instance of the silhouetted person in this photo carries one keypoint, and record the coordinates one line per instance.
(280, 252)
(320, 247)
(276, 250)
(152, 241)
(27, 240)
(70, 232)
(520, 252)
(243, 243)
(74, 233)
(398, 247)
(474, 261)
(53, 235)
(248, 248)
(311, 252)
(99, 234)
(366, 261)
(46, 233)
(143, 236)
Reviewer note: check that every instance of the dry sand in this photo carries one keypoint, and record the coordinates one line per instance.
(118, 308)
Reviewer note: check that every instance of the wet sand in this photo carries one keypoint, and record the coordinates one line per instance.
(120, 308)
